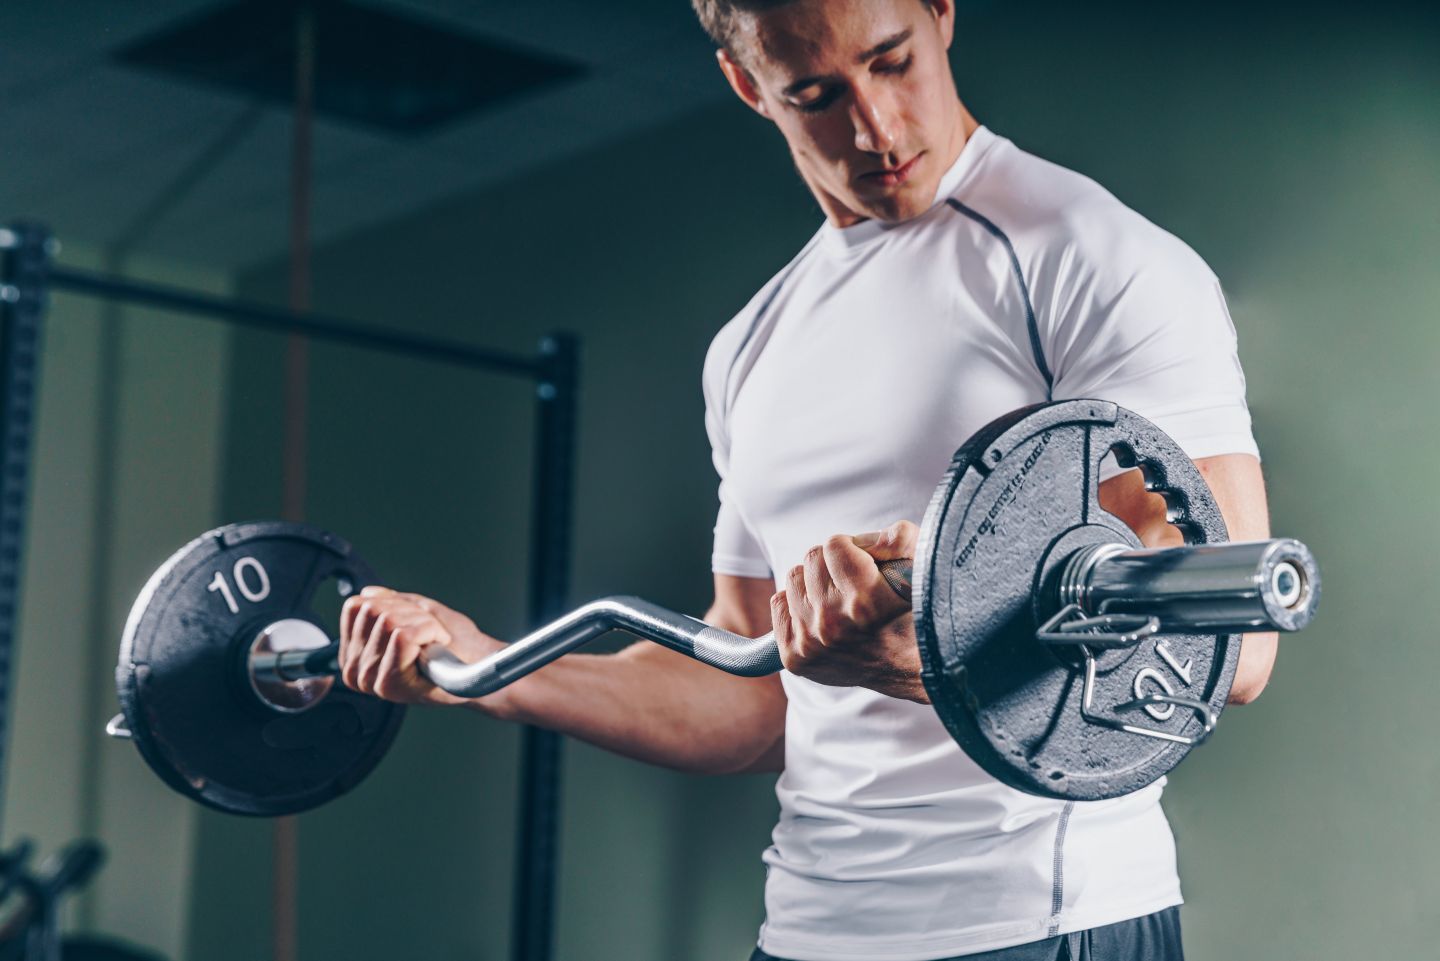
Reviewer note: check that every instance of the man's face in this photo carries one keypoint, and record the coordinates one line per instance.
(862, 92)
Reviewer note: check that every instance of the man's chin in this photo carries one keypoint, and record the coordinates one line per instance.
(901, 206)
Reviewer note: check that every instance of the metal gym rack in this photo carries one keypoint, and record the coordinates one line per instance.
(28, 274)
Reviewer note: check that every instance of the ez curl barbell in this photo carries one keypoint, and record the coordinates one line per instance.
(1067, 659)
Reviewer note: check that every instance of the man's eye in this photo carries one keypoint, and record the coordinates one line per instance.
(816, 104)
(896, 68)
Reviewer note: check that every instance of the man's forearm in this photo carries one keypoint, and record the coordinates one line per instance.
(653, 705)
(1239, 489)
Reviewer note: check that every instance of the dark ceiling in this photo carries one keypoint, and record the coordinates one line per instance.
(155, 162)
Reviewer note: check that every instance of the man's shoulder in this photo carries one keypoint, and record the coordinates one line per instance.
(731, 340)
(1046, 212)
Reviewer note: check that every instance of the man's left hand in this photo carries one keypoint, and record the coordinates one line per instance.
(838, 621)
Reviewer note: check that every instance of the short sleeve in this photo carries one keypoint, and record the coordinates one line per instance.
(1145, 325)
(736, 550)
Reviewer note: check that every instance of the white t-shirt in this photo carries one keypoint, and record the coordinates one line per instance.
(834, 402)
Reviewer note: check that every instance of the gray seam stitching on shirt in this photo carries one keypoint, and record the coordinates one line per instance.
(1034, 327)
(1057, 887)
(725, 398)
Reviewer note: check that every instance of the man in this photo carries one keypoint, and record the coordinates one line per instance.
(955, 278)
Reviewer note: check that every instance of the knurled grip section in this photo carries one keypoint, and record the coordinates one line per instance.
(735, 654)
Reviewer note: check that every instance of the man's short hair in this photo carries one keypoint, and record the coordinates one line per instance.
(719, 17)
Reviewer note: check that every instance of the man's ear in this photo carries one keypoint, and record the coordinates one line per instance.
(944, 14)
(740, 81)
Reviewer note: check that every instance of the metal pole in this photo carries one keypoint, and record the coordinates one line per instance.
(26, 273)
(536, 854)
(25, 252)
(297, 349)
(285, 894)
(241, 313)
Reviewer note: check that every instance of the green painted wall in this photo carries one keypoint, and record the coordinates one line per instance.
(1301, 156)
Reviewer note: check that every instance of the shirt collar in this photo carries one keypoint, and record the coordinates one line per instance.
(841, 239)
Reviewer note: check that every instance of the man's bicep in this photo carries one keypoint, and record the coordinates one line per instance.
(1234, 480)
(742, 604)
(1146, 326)
(1239, 490)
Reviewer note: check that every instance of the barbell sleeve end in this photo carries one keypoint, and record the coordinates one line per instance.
(1210, 588)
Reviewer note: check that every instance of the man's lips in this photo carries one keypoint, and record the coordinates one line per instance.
(893, 176)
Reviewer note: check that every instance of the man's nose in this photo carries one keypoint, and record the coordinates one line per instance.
(874, 123)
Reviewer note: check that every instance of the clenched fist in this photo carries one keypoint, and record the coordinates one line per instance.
(383, 638)
(838, 622)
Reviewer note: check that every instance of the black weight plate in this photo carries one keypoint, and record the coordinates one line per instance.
(1022, 486)
(183, 691)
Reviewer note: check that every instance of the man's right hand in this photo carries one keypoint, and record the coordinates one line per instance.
(383, 638)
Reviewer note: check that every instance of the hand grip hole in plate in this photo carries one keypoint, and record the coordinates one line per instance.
(329, 598)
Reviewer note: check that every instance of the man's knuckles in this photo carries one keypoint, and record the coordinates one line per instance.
(857, 609)
(796, 577)
(383, 644)
(901, 537)
(833, 628)
(795, 655)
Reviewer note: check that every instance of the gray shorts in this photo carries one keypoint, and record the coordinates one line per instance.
(1155, 937)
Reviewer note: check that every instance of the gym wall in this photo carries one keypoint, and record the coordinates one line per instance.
(1297, 152)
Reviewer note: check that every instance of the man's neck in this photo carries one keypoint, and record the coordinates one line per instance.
(842, 216)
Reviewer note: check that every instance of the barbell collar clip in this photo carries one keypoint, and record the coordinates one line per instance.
(1071, 627)
(115, 727)
(1201, 709)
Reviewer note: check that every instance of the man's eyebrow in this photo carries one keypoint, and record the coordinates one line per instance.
(879, 50)
(885, 46)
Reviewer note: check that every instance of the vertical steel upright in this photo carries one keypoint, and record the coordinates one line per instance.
(285, 840)
(25, 251)
(532, 935)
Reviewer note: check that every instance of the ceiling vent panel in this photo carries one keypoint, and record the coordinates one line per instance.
(374, 67)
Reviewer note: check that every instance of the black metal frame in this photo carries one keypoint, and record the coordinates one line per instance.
(533, 926)
(28, 274)
(25, 252)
